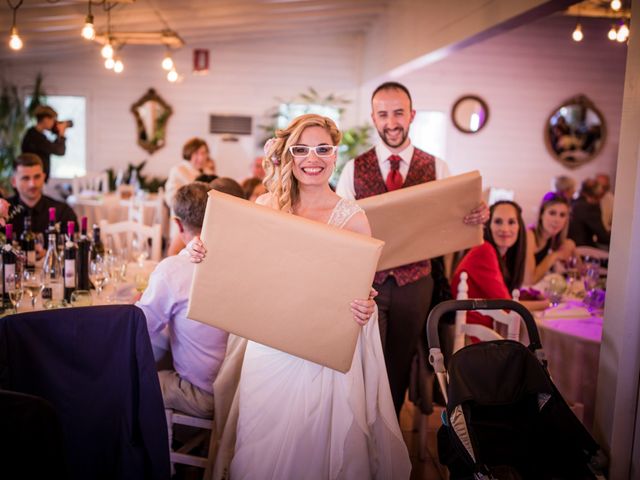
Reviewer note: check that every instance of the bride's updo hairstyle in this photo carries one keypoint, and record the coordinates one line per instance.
(278, 161)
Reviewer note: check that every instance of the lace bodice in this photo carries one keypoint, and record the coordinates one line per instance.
(342, 212)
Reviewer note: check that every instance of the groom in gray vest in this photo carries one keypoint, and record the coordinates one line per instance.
(404, 292)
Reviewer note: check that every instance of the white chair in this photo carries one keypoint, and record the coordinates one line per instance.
(483, 333)
(123, 233)
(213, 436)
(92, 182)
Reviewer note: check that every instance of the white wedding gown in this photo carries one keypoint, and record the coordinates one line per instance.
(300, 420)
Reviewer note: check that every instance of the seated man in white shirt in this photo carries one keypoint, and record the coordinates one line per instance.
(197, 349)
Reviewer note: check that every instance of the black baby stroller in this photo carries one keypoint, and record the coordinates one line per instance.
(504, 418)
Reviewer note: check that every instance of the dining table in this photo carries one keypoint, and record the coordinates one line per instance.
(123, 291)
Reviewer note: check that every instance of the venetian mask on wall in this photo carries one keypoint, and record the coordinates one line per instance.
(152, 115)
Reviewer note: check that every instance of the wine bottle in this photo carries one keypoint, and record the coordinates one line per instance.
(84, 257)
(8, 266)
(52, 226)
(52, 275)
(28, 245)
(70, 260)
(97, 247)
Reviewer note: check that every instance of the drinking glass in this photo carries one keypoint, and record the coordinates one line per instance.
(556, 286)
(141, 281)
(98, 273)
(15, 291)
(33, 285)
(81, 298)
(140, 250)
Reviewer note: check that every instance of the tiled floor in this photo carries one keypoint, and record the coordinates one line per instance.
(427, 468)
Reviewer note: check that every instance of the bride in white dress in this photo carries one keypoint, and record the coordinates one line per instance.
(298, 419)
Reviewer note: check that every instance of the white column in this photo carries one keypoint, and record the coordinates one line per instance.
(619, 372)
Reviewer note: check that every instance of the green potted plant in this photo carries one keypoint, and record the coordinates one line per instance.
(14, 118)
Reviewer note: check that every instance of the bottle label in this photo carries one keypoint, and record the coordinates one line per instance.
(70, 273)
(9, 280)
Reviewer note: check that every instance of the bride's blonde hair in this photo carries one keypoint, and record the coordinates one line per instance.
(278, 161)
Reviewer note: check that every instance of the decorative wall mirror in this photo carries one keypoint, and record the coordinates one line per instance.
(152, 114)
(575, 132)
(470, 114)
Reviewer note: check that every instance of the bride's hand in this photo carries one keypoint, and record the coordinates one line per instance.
(363, 309)
(196, 250)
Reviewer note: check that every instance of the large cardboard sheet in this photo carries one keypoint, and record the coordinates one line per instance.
(425, 221)
(281, 280)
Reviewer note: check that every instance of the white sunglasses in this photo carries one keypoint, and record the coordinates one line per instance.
(320, 150)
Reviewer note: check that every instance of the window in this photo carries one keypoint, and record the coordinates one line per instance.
(428, 132)
(289, 111)
(73, 163)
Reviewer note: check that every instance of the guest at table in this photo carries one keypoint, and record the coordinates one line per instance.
(28, 182)
(253, 188)
(585, 225)
(547, 241)
(565, 186)
(196, 161)
(606, 200)
(497, 266)
(221, 184)
(4, 211)
(36, 142)
(197, 349)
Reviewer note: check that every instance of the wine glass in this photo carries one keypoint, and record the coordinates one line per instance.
(98, 273)
(140, 249)
(15, 291)
(141, 281)
(33, 285)
(591, 278)
(556, 286)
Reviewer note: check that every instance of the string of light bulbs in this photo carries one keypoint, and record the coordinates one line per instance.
(619, 31)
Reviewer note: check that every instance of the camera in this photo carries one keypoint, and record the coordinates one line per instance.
(66, 123)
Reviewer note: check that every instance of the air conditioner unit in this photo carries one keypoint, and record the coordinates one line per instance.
(230, 124)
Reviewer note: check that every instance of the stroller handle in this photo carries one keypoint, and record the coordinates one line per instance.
(481, 304)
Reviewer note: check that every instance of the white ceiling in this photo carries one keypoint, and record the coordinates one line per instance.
(50, 27)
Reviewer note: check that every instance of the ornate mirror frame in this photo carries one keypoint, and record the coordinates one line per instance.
(578, 142)
(154, 140)
(458, 103)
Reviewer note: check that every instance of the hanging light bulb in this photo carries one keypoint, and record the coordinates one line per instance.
(616, 5)
(118, 66)
(613, 33)
(107, 50)
(623, 33)
(109, 63)
(15, 42)
(89, 31)
(172, 76)
(167, 62)
(577, 34)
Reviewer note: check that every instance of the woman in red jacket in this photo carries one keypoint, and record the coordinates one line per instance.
(497, 266)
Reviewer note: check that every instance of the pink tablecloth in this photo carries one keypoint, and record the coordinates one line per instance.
(572, 347)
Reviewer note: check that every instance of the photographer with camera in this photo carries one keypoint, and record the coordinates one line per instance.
(35, 141)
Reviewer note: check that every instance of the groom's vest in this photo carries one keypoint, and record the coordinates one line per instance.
(368, 181)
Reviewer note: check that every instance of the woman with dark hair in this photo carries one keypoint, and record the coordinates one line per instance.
(547, 240)
(497, 266)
